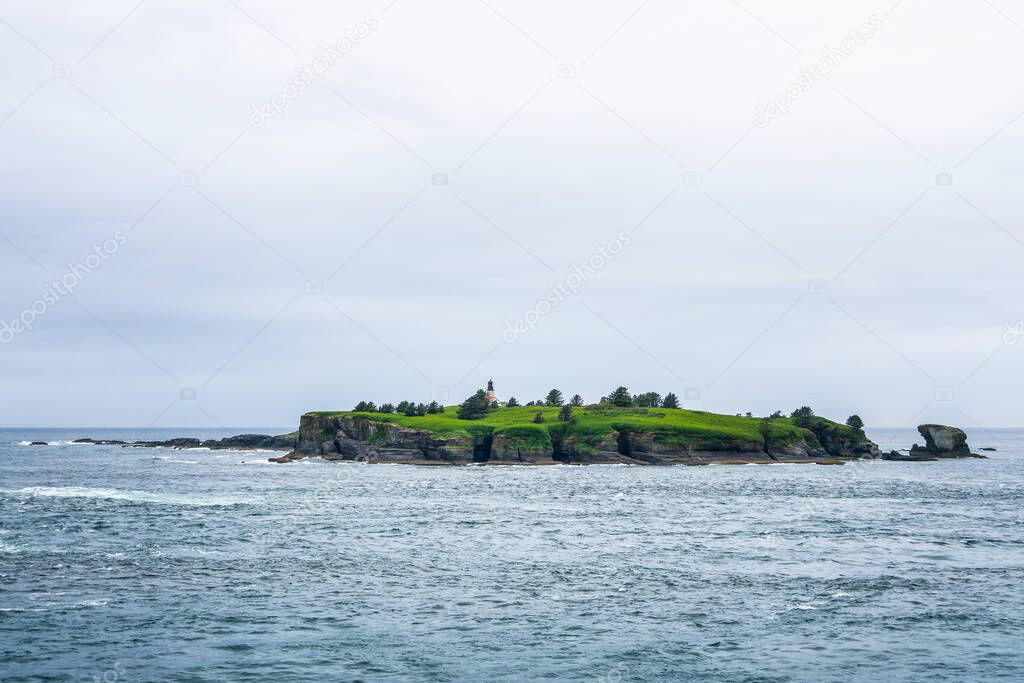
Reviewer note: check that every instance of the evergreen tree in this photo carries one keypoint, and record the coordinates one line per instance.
(410, 409)
(802, 416)
(670, 401)
(776, 414)
(386, 408)
(512, 402)
(434, 408)
(360, 407)
(576, 401)
(403, 407)
(651, 399)
(421, 409)
(474, 407)
(855, 423)
(539, 417)
(621, 397)
(565, 414)
(370, 407)
(554, 399)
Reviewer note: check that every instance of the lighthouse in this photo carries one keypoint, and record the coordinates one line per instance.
(490, 392)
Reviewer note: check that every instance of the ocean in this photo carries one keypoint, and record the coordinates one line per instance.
(191, 565)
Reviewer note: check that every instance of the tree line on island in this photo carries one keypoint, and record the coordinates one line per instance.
(478, 406)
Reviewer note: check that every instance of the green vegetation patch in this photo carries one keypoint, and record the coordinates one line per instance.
(589, 426)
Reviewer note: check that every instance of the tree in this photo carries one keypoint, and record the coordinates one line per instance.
(474, 407)
(565, 414)
(403, 407)
(750, 414)
(539, 417)
(576, 401)
(855, 423)
(802, 416)
(554, 398)
(671, 401)
(776, 414)
(410, 409)
(530, 404)
(370, 407)
(512, 402)
(386, 408)
(421, 409)
(434, 407)
(620, 397)
(360, 407)
(651, 399)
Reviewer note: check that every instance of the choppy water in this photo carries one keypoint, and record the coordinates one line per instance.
(141, 565)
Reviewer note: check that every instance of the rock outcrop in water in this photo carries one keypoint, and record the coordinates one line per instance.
(941, 441)
(347, 437)
(241, 442)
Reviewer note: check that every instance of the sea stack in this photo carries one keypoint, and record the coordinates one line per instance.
(942, 441)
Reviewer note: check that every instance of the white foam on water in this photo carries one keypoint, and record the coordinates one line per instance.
(91, 603)
(802, 606)
(117, 494)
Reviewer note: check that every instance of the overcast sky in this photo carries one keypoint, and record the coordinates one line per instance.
(311, 257)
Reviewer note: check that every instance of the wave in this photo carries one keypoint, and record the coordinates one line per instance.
(130, 496)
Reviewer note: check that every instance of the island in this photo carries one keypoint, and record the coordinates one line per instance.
(621, 429)
(593, 435)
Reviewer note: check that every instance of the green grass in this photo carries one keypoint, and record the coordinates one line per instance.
(594, 424)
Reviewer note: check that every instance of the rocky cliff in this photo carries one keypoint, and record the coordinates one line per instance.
(347, 437)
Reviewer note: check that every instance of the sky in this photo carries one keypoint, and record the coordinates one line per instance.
(254, 209)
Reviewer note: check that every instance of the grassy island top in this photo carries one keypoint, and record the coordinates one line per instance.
(591, 424)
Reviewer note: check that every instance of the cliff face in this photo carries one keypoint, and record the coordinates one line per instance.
(348, 438)
(344, 437)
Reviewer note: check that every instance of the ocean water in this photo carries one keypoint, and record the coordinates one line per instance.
(153, 564)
